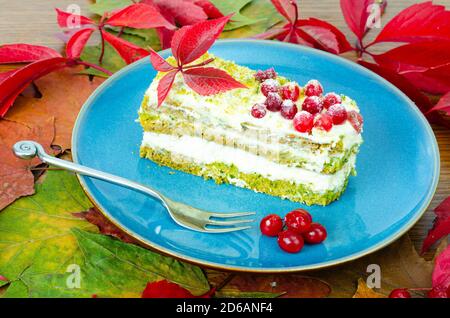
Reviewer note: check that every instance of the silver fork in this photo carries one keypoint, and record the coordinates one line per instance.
(184, 215)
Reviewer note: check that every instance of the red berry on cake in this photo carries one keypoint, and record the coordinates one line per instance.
(261, 76)
(298, 220)
(290, 91)
(303, 122)
(271, 225)
(273, 102)
(331, 99)
(337, 113)
(288, 109)
(356, 120)
(269, 86)
(259, 110)
(290, 241)
(315, 234)
(313, 88)
(324, 122)
(312, 104)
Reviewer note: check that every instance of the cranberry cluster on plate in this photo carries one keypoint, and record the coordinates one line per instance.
(316, 109)
(297, 229)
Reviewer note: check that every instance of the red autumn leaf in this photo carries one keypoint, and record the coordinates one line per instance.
(419, 22)
(159, 63)
(209, 80)
(67, 19)
(286, 9)
(421, 100)
(191, 42)
(356, 15)
(324, 36)
(128, 51)
(77, 42)
(441, 224)
(164, 86)
(179, 12)
(210, 9)
(5, 75)
(11, 87)
(434, 81)
(441, 273)
(165, 37)
(166, 289)
(139, 16)
(25, 53)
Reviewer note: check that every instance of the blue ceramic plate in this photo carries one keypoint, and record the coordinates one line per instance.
(398, 168)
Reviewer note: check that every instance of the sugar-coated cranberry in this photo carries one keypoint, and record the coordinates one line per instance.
(331, 99)
(324, 122)
(313, 88)
(316, 234)
(400, 293)
(261, 76)
(269, 86)
(288, 109)
(259, 110)
(303, 122)
(290, 241)
(437, 292)
(337, 113)
(298, 220)
(271, 225)
(312, 105)
(356, 120)
(273, 102)
(290, 91)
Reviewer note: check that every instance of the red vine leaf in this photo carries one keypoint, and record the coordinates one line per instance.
(25, 53)
(165, 37)
(160, 64)
(179, 12)
(421, 100)
(441, 272)
(128, 51)
(77, 42)
(210, 81)
(419, 22)
(286, 9)
(210, 9)
(191, 42)
(164, 86)
(441, 225)
(139, 16)
(434, 81)
(356, 15)
(166, 289)
(67, 19)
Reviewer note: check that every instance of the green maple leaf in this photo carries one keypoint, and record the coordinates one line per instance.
(234, 7)
(45, 251)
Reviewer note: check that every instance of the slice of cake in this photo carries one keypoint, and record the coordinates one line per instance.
(273, 137)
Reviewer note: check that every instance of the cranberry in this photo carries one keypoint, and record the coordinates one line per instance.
(273, 102)
(324, 122)
(288, 109)
(316, 234)
(400, 293)
(313, 88)
(355, 120)
(331, 99)
(290, 241)
(259, 110)
(337, 113)
(269, 86)
(261, 76)
(271, 225)
(439, 293)
(298, 220)
(303, 122)
(290, 91)
(312, 105)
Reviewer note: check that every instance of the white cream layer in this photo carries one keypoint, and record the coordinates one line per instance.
(203, 152)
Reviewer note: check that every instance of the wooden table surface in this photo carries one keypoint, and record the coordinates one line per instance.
(30, 21)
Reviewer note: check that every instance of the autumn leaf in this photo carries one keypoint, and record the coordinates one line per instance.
(235, 7)
(356, 15)
(63, 94)
(209, 80)
(363, 291)
(441, 272)
(77, 42)
(40, 239)
(166, 289)
(25, 53)
(441, 224)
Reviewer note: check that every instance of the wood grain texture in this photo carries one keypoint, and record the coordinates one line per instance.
(34, 22)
